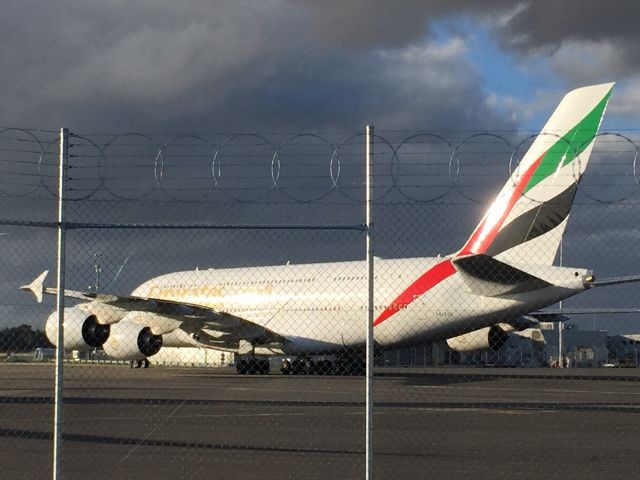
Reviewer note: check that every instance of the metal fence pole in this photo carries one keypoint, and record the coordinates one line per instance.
(560, 323)
(62, 188)
(370, 311)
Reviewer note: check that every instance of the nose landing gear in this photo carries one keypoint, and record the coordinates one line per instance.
(140, 363)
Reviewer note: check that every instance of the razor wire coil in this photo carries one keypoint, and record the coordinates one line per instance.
(301, 167)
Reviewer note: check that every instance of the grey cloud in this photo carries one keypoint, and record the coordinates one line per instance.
(363, 24)
(274, 64)
(231, 66)
(550, 23)
(587, 40)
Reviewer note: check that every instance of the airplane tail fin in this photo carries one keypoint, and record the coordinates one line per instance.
(526, 221)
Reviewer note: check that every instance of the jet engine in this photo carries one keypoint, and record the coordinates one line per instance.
(81, 329)
(130, 341)
(492, 337)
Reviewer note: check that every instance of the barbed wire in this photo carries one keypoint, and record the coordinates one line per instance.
(301, 167)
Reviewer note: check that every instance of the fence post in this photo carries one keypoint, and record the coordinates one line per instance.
(370, 298)
(560, 322)
(60, 283)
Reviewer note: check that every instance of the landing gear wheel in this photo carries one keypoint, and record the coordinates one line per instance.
(242, 367)
(285, 368)
(265, 367)
(253, 366)
(323, 367)
(351, 363)
(298, 367)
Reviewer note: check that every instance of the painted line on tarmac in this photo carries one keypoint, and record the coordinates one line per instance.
(209, 415)
(527, 390)
(456, 410)
(289, 390)
(146, 438)
(9, 392)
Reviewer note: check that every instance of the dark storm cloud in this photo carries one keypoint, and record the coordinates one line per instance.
(279, 64)
(364, 24)
(587, 40)
(550, 23)
(233, 66)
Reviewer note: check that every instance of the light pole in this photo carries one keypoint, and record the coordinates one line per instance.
(97, 267)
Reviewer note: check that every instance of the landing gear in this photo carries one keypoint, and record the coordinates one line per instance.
(253, 366)
(323, 367)
(140, 363)
(351, 362)
(286, 367)
(304, 365)
(301, 366)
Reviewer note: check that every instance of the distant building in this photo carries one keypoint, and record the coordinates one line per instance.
(529, 348)
(582, 348)
(624, 349)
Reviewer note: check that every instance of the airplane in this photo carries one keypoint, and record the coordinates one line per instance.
(498, 282)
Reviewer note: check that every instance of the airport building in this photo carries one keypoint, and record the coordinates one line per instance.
(582, 348)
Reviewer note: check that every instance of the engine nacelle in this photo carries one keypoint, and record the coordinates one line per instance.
(131, 341)
(81, 330)
(492, 337)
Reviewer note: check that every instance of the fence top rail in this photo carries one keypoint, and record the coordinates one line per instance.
(185, 226)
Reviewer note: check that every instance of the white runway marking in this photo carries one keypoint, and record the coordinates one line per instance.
(501, 389)
(211, 415)
(279, 390)
(377, 411)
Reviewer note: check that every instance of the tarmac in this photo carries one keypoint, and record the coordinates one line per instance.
(431, 423)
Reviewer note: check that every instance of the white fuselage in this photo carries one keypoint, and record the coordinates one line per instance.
(323, 307)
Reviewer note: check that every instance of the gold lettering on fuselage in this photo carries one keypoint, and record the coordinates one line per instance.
(209, 295)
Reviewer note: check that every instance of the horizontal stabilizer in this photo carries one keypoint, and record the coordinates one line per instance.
(486, 276)
(523, 322)
(37, 286)
(550, 316)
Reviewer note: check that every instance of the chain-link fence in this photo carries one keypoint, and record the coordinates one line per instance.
(235, 268)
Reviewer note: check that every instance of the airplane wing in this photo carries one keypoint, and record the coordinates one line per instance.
(215, 327)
